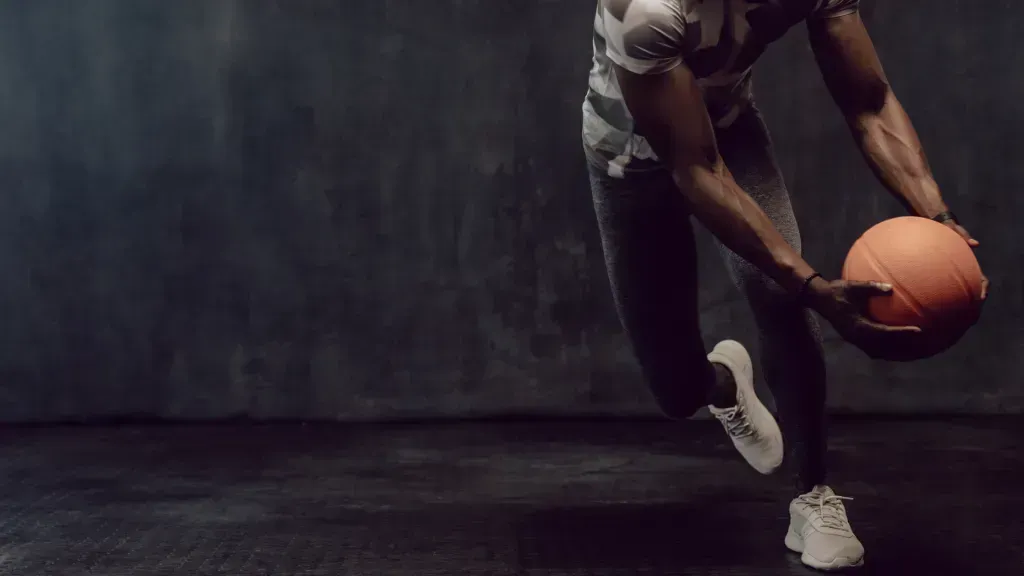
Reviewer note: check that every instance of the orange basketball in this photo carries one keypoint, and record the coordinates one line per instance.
(935, 278)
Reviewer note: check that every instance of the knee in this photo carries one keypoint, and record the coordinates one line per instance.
(760, 289)
(777, 312)
(768, 301)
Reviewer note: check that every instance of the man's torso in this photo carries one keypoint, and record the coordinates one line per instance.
(718, 40)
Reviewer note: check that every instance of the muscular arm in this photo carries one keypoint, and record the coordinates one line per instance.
(669, 112)
(879, 124)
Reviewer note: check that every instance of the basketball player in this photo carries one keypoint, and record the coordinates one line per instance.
(671, 129)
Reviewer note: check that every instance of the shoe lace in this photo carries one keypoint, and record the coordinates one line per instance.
(829, 509)
(736, 423)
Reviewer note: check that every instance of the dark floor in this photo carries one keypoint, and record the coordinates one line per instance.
(594, 499)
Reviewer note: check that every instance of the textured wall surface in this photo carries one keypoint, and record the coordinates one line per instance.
(326, 209)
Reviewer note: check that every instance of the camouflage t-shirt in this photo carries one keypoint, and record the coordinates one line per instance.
(719, 40)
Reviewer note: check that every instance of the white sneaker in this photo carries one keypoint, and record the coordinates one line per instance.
(749, 423)
(820, 532)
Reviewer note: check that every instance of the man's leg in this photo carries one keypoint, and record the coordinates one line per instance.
(651, 257)
(791, 352)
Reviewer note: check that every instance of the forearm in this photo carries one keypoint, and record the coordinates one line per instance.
(893, 150)
(669, 111)
(740, 224)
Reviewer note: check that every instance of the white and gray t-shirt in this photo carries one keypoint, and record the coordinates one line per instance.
(719, 40)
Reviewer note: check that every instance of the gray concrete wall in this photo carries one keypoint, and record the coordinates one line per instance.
(324, 209)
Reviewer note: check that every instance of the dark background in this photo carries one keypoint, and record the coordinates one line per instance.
(361, 210)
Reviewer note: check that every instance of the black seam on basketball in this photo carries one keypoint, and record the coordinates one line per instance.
(914, 304)
(961, 278)
(964, 313)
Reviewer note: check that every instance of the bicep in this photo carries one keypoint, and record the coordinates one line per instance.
(669, 112)
(849, 63)
(646, 40)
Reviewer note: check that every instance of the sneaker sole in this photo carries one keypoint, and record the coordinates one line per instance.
(733, 352)
(796, 544)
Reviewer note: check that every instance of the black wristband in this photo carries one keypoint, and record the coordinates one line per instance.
(944, 217)
(802, 296)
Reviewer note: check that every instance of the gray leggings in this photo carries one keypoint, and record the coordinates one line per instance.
(651, 257)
